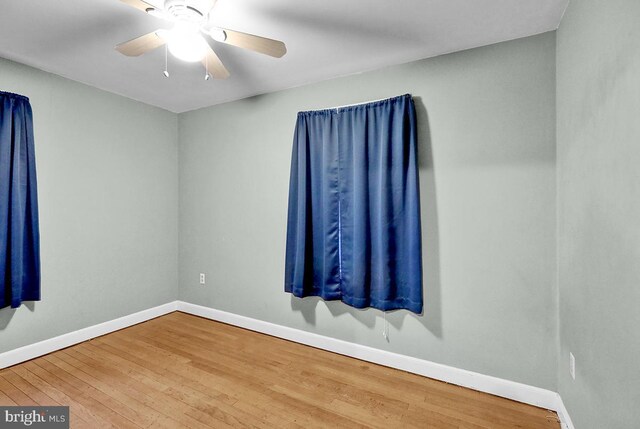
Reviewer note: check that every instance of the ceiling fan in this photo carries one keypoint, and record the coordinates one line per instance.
(190, 37)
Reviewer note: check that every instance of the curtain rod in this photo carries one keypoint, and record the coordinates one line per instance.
(357, 104)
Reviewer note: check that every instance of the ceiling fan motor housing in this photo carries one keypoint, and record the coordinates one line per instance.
(195, 11)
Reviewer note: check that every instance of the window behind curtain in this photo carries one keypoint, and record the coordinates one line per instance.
(353, 230)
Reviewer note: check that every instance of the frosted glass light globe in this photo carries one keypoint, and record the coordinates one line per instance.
(186, 43)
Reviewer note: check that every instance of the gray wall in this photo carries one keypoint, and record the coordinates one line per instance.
(107, 183)
(598, 80)
(487, 175)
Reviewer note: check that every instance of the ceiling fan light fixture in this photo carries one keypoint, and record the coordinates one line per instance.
(186, 43)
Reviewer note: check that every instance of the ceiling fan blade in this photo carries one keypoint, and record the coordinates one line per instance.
(139, 4)
(273, 48)
(213, 65)
(140, 45)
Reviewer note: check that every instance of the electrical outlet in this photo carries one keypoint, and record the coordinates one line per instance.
(572, 365)
(202, 279)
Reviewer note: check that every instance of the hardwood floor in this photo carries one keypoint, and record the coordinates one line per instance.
(184, 371)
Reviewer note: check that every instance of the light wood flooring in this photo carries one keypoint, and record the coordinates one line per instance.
(184, 371)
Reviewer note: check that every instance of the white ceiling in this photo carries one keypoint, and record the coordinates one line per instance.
(325, 39)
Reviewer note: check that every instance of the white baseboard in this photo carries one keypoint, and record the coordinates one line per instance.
(563, 414)
(31, 351)
(484, 383)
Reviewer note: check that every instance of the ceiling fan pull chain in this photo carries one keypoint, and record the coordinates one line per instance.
(166, 61)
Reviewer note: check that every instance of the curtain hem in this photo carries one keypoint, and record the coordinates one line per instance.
(19, 303)
(327, 296)
(383, 305)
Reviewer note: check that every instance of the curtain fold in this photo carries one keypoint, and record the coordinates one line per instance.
(19, 231)
(354, 215)
(313, 267)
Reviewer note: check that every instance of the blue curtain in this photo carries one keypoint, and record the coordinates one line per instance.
(19, 233)
(353, 230)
